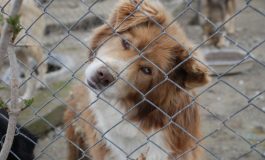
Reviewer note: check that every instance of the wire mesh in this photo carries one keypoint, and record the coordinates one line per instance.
(232, 106)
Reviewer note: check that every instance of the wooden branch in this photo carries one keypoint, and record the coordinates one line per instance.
(6, 31)
(14, 109)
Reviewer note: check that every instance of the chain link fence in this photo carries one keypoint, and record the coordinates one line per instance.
(231, 106)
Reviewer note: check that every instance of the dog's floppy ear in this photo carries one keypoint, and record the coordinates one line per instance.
(127, 14)
(99, 35)
(130, 13)
(190, 73)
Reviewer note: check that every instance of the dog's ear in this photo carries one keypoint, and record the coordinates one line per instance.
(127, 14)
(190, 72)
(130, 13)
(98, 36)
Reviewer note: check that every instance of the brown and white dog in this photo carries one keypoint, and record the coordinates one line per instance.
(139, 103)
(218, 11)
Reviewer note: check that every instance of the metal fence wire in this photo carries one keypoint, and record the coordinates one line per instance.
(231, 105)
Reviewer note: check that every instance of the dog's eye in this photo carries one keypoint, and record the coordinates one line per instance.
(146, 70)
(126, 45)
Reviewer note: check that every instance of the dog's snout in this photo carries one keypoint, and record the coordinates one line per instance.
(102, 77)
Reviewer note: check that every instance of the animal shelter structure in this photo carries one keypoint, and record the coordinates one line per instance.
(214, 79)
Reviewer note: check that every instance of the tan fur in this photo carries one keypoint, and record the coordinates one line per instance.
(81, 132)
(218, 11)
(164, 52)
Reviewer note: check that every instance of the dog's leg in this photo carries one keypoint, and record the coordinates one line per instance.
(23, 54)
(38, 54)
(31, 83)
(231, 28)
(30, 88)
(73, 152)
(230, 25)
(222, 42)
(207, 30)
(196, 19)
(231, 8)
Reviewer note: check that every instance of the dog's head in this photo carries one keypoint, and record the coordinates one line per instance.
(138, 50)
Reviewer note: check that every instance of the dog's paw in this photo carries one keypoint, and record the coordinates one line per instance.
(223, 43)
(231, 30)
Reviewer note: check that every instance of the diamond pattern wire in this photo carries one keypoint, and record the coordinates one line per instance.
(232, 123)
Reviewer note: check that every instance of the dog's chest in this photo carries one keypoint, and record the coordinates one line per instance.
(123, 137)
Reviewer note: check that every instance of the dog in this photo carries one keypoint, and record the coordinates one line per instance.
(27, 48)
(218, 11)
(139, 77)
(23, 143)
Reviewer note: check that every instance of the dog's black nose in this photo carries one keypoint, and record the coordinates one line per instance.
(102, 78)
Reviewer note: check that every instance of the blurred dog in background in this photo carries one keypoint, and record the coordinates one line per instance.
(218, 12)
(28, 48)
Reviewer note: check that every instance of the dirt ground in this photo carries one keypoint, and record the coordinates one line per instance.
(232, 106)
